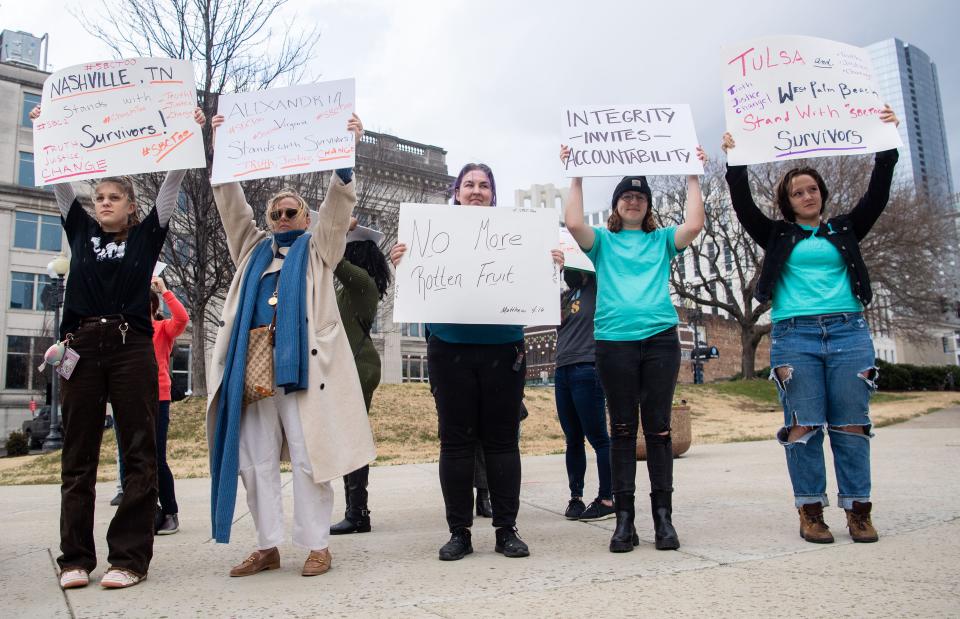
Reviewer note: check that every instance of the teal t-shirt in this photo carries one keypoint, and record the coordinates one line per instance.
(633, 283)
(814, 281)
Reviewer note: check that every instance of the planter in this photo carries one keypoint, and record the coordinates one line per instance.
(679, 428)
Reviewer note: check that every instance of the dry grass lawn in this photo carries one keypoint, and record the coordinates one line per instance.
(404, 422)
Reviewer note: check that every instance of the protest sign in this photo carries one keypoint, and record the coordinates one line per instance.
(477, 265)
(573, 256)
(621, 140)
(788, 97)
(284, 131)
(117, 117)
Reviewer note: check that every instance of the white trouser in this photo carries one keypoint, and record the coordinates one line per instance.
(263, 426)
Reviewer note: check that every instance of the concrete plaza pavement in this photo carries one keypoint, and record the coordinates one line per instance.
(741, 554)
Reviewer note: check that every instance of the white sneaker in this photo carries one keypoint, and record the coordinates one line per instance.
(119, 578)
(74, 578)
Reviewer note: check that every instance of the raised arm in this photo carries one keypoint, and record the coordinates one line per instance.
(178, 314)
(757, 225)
(329, 231)
(693, 216)
(573, 214)
(871, 205)
(170, 189)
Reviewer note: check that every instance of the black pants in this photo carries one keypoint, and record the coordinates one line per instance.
(478, 394)
(168, 498)
(639, 378)
(126, 373)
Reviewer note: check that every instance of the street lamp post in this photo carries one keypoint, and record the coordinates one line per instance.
(57, 269)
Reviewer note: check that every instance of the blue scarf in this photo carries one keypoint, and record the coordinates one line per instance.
(290, 363)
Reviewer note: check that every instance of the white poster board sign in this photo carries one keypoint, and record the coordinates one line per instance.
(573, 256)
(284, 131)
(117, 117)
(477, 265)
(789, 97)
(622, 140)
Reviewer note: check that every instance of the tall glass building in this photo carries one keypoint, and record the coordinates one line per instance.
(908, 81)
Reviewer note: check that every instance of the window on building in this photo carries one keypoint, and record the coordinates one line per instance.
(33, 231)
(24, 355)
(377, 325)
(180, 367)
(411, 329)
(26, 291)
(946, 343)
(414, 369)
(25, 169)
(30, 101)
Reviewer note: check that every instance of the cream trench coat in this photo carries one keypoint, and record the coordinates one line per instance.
(332, 412)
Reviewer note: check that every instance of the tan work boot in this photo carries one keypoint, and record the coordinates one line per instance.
(258, 561)
(812, 527)
(318, 562)
(859, 524)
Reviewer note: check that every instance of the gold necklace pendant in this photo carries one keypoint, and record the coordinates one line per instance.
(272, 301)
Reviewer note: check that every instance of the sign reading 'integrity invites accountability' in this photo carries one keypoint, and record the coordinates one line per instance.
(477, 265)
(621, 140)
(789, 97)
(117, 117)
(284, 131)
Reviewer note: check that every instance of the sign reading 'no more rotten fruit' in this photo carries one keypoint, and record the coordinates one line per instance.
(789, 97)
(117, 117)
(619, 140)
(477, 265)
(285, 131)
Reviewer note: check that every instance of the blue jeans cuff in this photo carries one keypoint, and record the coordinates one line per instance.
(846, 502)
(800, 501)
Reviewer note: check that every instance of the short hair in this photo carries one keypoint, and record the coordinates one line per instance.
(470, 167)
(286, 193)
(783, 191)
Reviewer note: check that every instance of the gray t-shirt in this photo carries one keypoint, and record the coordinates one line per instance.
(575, 343)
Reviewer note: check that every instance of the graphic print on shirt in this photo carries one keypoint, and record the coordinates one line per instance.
(571, 304)
(112, 251)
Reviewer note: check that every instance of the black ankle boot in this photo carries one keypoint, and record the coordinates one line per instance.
(484, 508)
(625, 534)
(356, 521)
(665, 536)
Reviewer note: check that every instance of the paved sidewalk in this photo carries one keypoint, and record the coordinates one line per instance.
(741, 554)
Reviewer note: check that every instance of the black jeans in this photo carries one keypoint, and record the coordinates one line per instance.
(639, 378)
(168, 498)
(126, 373)
(478, 394)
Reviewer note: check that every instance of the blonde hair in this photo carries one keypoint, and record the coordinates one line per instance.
(282, 194)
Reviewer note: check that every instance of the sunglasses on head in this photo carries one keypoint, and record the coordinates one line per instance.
(291, 213)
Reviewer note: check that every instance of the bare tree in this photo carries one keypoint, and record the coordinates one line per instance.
(235, 46)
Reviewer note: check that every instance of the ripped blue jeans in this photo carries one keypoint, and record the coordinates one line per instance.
(824, 368)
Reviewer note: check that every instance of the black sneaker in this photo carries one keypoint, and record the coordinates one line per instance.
(597, 511)
(116, 500)
(509, 543)
(169, 526)
(574, 508)
(458, 547)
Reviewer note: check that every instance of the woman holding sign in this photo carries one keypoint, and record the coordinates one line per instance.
(107, 330)
(821, 353)
(282, 377)
(477, 375)
(637, 346)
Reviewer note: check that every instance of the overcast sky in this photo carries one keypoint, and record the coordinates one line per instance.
(486, 80)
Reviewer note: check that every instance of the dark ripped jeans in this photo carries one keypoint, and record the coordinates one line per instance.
(126, 373)
(639, 378)
(478, 394)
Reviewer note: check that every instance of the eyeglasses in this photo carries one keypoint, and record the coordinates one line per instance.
(633, 197)
(291, 213)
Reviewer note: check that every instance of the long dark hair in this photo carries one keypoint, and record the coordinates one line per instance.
(155, 306)
(367, 256)
(783, 191)
(470, 167)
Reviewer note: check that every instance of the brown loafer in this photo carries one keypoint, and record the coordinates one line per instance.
(258, 561)
(318, 562)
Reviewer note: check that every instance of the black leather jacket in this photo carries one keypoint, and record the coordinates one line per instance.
(778, 237)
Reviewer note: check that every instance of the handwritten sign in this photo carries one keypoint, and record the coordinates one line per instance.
(117, 117)
(573, 256)
(788, 97)
(284, 131)
(476, 265)
(620, 140)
